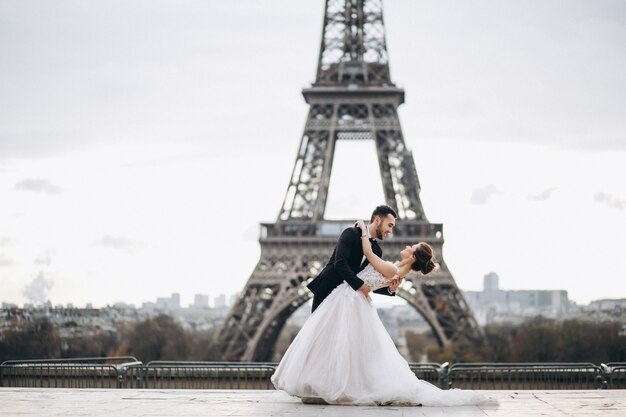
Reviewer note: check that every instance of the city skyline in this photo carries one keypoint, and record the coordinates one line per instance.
(491, 284)
(141, 146)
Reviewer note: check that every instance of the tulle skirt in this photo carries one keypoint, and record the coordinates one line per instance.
(344, 355)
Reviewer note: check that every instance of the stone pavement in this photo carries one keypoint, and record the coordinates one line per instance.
(210, 403)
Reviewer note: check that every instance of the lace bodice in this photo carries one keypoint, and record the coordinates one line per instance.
(373, 278)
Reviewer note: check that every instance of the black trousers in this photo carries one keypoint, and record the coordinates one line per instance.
(316, 302)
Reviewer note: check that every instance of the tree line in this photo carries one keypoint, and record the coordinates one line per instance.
(162, 338)
(536, 340)
(157, 338)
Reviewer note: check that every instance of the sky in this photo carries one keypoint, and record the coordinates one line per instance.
(142, 142)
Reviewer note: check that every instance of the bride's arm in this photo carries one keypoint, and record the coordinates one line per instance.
(387, 269)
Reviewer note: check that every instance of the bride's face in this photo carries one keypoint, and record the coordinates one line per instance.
(408, 251)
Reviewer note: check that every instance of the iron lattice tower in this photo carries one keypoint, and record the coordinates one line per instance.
(353, 98)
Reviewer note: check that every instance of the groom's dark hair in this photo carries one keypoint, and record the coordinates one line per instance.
(383, 211)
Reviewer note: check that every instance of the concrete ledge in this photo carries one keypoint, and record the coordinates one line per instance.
(208, 403)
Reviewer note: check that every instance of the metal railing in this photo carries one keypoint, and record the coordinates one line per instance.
(128, 372)
(101, 372)
(208, 375)
(496, 376)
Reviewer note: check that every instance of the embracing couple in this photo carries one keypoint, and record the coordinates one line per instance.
(343, 353)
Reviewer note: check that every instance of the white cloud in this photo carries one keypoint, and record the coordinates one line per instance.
(484, 194)
(117, 242)
(38, 186)
(609, 200)
(542, 196)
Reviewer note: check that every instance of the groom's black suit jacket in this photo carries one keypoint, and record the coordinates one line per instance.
(343, 265)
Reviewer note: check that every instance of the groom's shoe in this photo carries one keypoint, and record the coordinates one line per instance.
(313, 400)
(398, 403)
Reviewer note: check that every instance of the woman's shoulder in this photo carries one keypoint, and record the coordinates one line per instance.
(394, 265)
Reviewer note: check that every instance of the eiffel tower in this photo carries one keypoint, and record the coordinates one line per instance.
(353, 98)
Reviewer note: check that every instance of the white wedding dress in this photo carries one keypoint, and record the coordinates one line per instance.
(344, 355)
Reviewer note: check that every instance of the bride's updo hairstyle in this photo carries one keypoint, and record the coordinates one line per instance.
(425, 260)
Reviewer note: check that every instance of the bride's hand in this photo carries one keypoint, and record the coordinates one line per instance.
(360, 224)
(395, 283)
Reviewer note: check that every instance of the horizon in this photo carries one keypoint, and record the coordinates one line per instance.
(382, 302)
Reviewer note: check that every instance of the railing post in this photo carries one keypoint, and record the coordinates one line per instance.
(606, 374)
(444, 376)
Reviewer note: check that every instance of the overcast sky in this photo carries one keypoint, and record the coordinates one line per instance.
(142, 142)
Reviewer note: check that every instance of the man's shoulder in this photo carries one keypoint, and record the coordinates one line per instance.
(350, 232)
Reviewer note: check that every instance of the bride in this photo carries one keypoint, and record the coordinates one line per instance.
(344, 355)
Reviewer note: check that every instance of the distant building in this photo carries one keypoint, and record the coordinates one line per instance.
(608, 304)
(220, 301)
(148, 306)
(493, 304)
(491, 282)
(201, 301)
(124, 306)
(169, 303)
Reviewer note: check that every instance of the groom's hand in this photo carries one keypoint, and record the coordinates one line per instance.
(395, 283)
(365, 289)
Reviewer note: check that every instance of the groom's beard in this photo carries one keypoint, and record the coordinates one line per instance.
(379, 233)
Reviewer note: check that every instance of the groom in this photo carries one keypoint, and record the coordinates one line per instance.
(347, 259)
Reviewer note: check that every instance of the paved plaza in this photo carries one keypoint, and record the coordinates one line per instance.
(209, 403)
